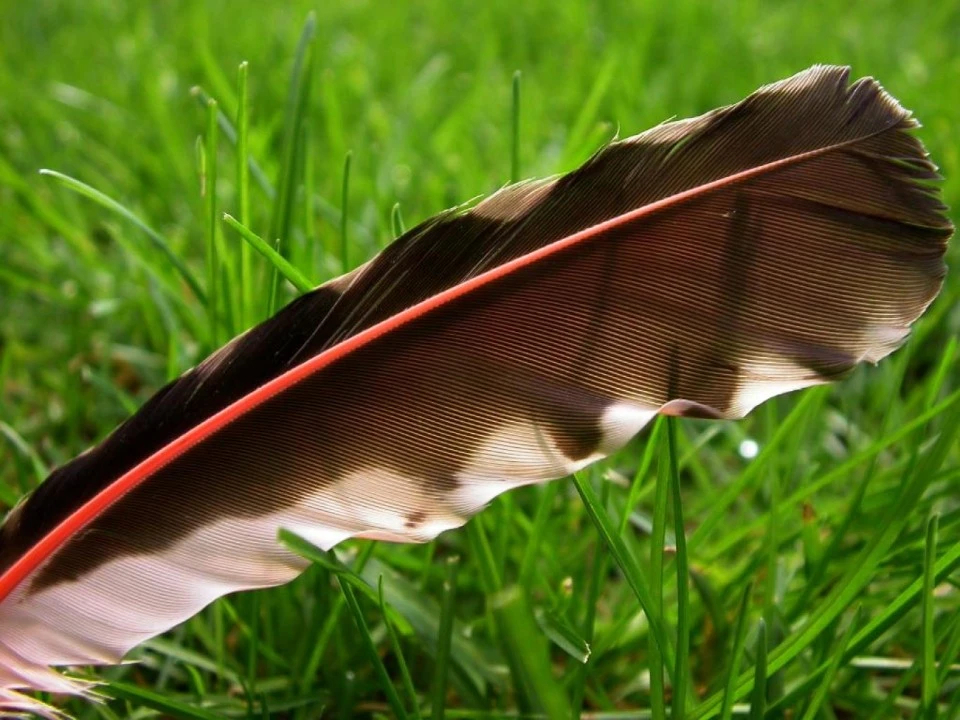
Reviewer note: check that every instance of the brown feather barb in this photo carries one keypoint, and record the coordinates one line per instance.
(697, 269)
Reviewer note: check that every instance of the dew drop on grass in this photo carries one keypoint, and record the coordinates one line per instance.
(749, 449)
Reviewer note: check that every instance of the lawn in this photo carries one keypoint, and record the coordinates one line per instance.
(820, 552)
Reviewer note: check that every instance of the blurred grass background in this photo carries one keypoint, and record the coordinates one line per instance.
(94, 318)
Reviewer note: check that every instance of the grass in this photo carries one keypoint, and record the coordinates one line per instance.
(818, 579)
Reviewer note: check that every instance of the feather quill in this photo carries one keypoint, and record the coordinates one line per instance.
(697, 269)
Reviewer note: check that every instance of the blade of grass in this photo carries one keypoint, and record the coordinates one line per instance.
(835, 663)
(505, 527)
(736, 656)
(657, 561)
(162, 702)
(439, 687)
(158, 240)
(483, 554)
(515, 129)
(208, 189)
(175, 654)
(946, 363)
(294, 276)
(272, 299)
(548, 495)
(396, 221)
(772, 543)
(950, 652)
(250, 633)
(477, 666)
(243, 192)
(681, 674)
(295, 113)
(649, 453)
(626, 563)
(253, 639)
(40, 470)
(329, 560)
(233, 137)
(563, 635)
(324, 206)
(712, 604)
(345, 696)
(528, 648)
(313, 252)
(345, 212)
(578, 135)
(758, 701)
(490, 581)
(315, 554)
(954, 709)
(598, 573)
(229, 299)
(371, 649)
(219, 636)
(398, 654)
(930, 684)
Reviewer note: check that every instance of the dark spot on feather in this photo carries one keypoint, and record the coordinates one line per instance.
(578, 443)
(414, 519)
(913, 240)
(828, 364)
(743, 230)
(739, 254)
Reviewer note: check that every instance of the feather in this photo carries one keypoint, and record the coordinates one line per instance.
(697, 269)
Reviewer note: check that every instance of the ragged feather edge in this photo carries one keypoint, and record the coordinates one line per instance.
(14, 704)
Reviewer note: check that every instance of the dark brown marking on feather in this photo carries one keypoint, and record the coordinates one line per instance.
(743, 235)
(578, 442)
(904, 192)
(911, 240)
(580, 434)
(415, 519)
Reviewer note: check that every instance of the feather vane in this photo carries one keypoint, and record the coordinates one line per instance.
(697, 269)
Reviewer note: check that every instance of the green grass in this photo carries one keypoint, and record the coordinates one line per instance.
(813, 580)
